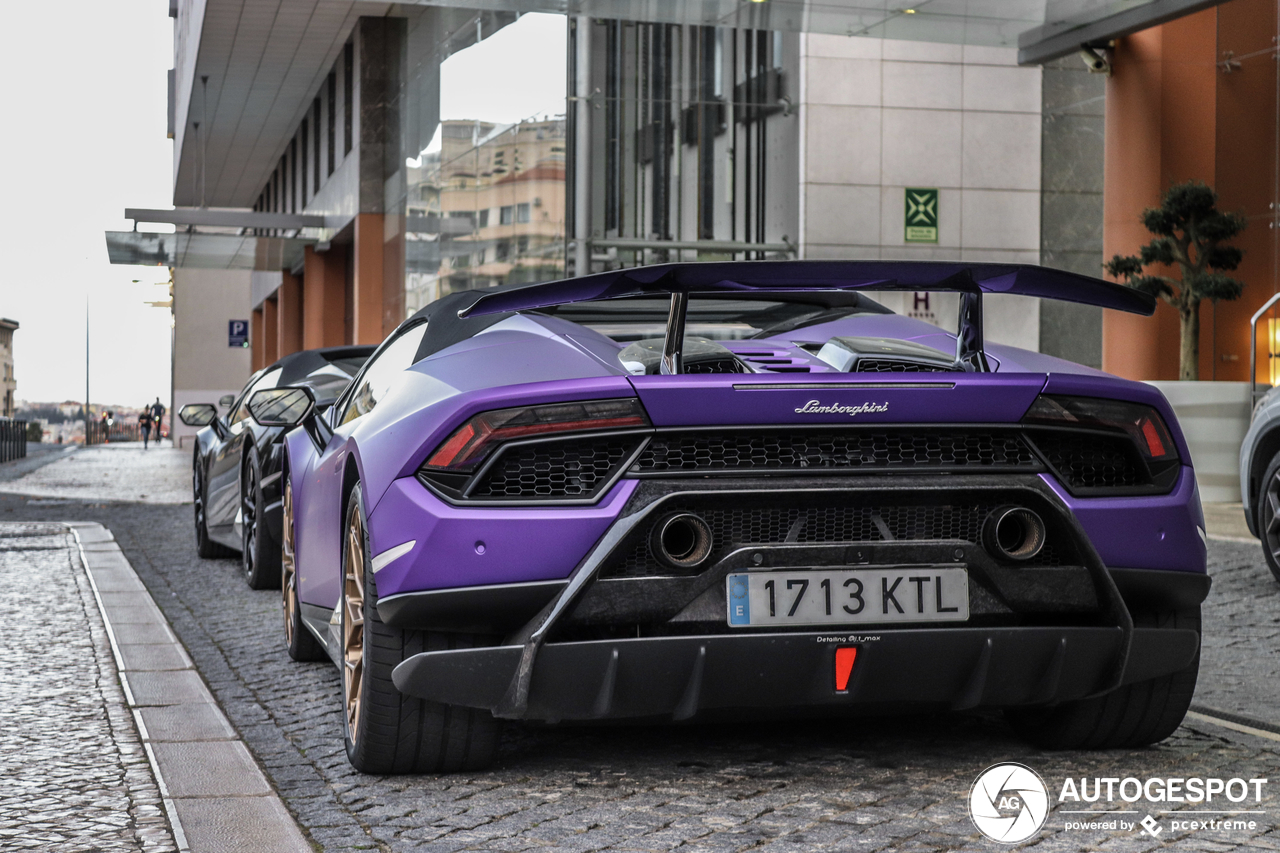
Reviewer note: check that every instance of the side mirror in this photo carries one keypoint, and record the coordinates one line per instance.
(226, 400)
(197, 414)
(282, 407)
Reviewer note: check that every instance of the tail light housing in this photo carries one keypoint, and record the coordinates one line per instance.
(474, 440)
(1098, 446)
(555, 453)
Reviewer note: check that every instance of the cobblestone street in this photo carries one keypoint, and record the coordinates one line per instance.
(75, 771)
(860, 785)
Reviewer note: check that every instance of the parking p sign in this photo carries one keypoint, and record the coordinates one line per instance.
(237, 333)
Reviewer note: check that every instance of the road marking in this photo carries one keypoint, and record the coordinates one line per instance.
(1228, 724)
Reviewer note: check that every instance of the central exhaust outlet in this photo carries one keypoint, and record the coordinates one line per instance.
(682, 540)
(1013, 533)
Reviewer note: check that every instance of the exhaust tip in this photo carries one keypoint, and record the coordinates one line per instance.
(682, 540)
(1014, 533)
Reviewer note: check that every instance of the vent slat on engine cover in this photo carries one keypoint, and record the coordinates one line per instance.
(808, 450)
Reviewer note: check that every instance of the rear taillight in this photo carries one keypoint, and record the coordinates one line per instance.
(1143, 424)
(475, 439)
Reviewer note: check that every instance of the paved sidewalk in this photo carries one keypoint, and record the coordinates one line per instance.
(111, 472)
(109, 738)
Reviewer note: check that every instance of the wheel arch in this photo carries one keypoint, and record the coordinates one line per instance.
(1264, 449)
(351, 477)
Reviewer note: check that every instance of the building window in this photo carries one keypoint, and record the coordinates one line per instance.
(315, 153)
(506, 215)
(502, 250)
(484, 218)
(522, 245)
(522, 212)
(333, 117)
(348, 94)
(306, 152)
(293, 175)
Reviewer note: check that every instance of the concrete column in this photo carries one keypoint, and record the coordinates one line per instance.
(289, 302)
(367, 320)
(323, 283)
(257, 344)
(270, 331)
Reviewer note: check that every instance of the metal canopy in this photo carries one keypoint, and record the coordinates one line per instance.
(205, 251)
(1099, 23)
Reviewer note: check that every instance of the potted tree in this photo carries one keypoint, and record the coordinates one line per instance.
(1190, 234)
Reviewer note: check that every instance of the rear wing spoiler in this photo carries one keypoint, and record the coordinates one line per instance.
(760, 278)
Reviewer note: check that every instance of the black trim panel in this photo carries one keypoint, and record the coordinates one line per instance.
(1160, 589)
(496, 609)
(682, 677)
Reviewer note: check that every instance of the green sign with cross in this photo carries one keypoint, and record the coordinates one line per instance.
(922, 215)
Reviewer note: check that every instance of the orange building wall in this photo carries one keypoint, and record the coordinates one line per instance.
(1173, 115)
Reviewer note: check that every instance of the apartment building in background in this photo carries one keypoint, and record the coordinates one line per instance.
(8, 383)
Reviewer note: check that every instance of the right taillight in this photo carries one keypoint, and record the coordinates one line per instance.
(1100, 446)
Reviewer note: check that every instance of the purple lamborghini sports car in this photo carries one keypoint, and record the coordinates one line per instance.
(698, 491)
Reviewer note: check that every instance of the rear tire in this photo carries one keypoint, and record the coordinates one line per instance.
(385, 730)
(205, 547)
(1134, 715)
(259, 552)
(298, 639)
(1267, 515)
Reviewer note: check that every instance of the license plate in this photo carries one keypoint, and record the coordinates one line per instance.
(848, 596)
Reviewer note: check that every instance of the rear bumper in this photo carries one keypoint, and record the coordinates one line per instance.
(684, 677)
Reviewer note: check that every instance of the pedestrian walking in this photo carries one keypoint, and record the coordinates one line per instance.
(157, 419)
(144, 425)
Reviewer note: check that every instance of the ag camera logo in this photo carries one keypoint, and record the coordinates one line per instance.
(1009, 803)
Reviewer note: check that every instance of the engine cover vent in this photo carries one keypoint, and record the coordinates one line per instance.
(885, 355)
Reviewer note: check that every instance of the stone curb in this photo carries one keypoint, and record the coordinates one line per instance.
(216, 797)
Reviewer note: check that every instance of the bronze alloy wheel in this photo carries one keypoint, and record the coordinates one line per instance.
(288, 575)
(388, 731)
(299, 642)
(353, 623)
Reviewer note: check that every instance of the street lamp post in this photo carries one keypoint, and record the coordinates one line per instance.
(86, 368)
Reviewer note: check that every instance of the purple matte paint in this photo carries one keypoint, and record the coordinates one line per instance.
(467, 546)
(1157, 532)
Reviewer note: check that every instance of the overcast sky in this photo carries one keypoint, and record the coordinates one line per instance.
(84, 118)
(84, 137)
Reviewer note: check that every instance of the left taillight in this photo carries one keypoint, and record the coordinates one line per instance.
(470, 443)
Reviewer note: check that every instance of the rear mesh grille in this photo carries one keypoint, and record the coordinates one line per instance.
(1090, 461)
(737, 527)
(570, 469)
(880, 365)
(823, 449)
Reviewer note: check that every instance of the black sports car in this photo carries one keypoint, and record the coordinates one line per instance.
(236, 467)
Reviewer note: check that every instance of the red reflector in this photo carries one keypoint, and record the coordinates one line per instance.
(1152, 435)
(844, 666)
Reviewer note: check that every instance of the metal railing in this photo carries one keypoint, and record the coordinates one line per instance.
(13, 439)
(105, 433)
